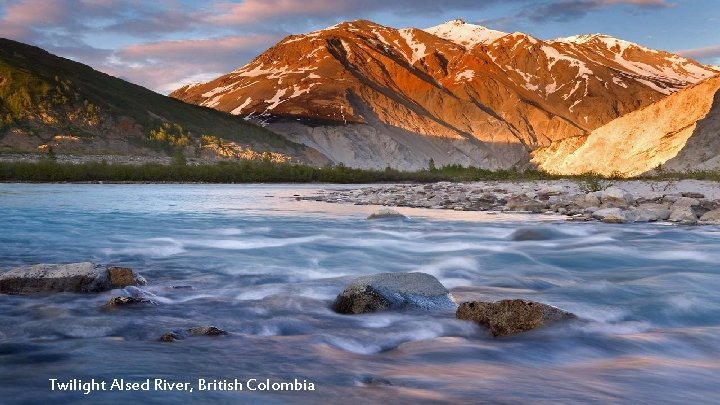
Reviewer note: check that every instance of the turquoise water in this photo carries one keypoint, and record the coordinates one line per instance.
(266, 268)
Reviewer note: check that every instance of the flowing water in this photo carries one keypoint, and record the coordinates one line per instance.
(266, 268)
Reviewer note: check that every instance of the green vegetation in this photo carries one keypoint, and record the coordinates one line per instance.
(242, 172)
(35, 83)
(49, 170)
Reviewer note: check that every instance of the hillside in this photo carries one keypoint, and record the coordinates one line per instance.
(373, 96)
(51, 103)
(678, 133)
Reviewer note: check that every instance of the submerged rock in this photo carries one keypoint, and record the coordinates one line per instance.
(537, 234)
(508, 317)
(386, 214)
(75, 277)
(386, 291)
(196, 331)
(127, 301)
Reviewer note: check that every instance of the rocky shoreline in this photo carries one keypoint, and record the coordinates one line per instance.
(687, 202)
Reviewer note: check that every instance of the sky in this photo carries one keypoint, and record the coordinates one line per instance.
(164, 44)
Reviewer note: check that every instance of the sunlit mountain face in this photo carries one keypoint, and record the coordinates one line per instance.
(374, 96)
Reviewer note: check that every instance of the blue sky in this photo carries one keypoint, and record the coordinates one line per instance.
(165, 43)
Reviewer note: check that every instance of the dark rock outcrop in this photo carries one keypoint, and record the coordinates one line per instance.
(508, 317)
(398, 291)
(74, 277)
(196, 331)
(127, 301)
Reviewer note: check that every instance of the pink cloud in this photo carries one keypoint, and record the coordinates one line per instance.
(702, 53)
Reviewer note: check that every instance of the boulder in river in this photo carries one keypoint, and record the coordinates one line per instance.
(74, 277)
(396, 291)
(196, 331)
(127, 301)
(508, 317)
(386, 214)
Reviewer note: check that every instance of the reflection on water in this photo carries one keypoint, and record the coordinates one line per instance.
(266, 268)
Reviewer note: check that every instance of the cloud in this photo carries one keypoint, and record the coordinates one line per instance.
(161, 43)
(568, 10)
(708, 54)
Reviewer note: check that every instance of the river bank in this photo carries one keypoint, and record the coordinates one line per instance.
(687, 202)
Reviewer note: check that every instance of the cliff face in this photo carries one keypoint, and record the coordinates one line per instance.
(678, 133)
(373, 96)
(48, 102)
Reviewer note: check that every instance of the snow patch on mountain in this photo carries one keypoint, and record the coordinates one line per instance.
(467, 35)
(418, 48)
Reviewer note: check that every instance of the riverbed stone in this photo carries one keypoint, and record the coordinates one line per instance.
(55, 278)
(509, 317)
(394, 291)
(683, 215)
(711, 216)
(386, 214)
(616, 196)
(651, 213)
(613, 215)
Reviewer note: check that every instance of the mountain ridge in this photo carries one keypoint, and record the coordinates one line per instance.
(482, 97)
(51, 103)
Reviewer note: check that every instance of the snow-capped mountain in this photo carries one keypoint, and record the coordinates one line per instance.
(374, 96)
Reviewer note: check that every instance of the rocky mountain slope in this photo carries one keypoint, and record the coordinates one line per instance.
(678, 133)
(373, 96)
(51, 103)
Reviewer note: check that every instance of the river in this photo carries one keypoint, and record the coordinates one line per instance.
(266, 268)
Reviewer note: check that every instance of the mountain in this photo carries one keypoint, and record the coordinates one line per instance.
(678, 133)
(373, 96)
(51, 102)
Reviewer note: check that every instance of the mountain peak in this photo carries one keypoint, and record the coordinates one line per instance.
(462, 33)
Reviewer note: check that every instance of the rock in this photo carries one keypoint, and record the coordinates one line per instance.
(196, 331)
(613, 215)
(643, 214)
(685, 202)
(524, 203)
(683, 215)
(74, 277)
(206, 331)
(397, 291)
(711, 216)
(508, 317)
(615, 196)
(386, 214)
(537, 233)
(123, 276)
(692, 194)
(170, 337)
(126, 301)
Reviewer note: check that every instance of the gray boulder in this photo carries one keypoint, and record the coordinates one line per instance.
(75, 277)
(615, 196)
(397, 291)
(508, 317)
(711, 216)
(613, 215)
(683, 215)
